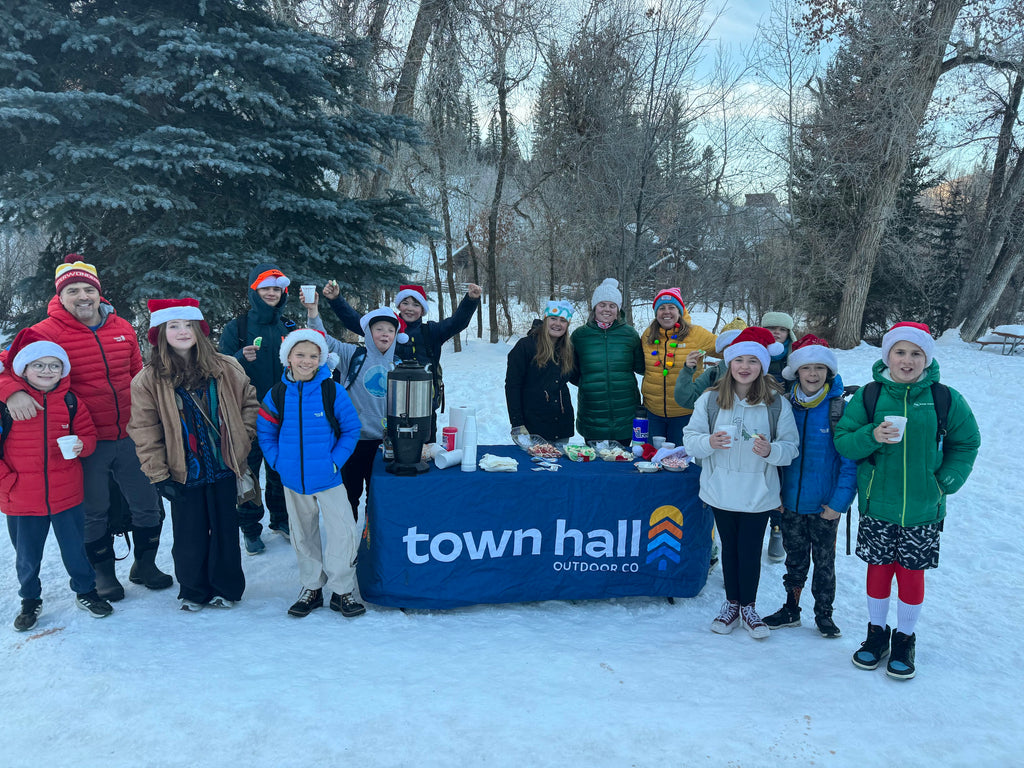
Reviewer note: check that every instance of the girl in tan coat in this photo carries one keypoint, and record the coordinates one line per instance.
(193, 421)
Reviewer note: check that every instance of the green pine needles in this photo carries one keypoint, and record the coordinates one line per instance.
(174, 145)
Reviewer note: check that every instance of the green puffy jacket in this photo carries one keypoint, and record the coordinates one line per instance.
(607, 361)
(909, 481)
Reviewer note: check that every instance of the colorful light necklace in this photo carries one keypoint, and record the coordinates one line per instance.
(668, 361)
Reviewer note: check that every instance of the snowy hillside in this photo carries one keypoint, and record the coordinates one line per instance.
(627, 682)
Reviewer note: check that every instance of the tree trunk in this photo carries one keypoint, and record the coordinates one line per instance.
(476, 279)
(492, 216)
(1006, 265)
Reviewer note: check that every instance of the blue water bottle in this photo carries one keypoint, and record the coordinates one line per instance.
(641, 427)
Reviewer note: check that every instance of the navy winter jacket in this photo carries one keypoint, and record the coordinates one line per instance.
(300, 444)
(819, 475)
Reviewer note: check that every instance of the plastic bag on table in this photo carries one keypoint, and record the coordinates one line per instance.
(535, 445)
(611, 450)
(577, 452)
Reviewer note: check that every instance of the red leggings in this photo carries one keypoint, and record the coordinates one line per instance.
(910, 583)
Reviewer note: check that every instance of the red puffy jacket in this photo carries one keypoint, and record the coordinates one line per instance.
(35, 478)
(103, 363)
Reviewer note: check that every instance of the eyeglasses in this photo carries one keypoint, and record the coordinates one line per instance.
(40, 367)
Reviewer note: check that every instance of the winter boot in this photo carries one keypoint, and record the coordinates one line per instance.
(776, 552)
(874, 648)
(309, 600)
(101, 555)
(789, 614)
(826, 627)
(901, 661)
(144, 570)
(30, 610)
(347, 605)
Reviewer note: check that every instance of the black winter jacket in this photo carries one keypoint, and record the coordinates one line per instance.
(537, 398)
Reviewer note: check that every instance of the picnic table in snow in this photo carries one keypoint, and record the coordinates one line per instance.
(1009, 338)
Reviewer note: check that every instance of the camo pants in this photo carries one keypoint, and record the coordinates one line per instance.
(808, 537)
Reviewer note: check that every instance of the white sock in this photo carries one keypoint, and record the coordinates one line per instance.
(878, 611)
(906, 617)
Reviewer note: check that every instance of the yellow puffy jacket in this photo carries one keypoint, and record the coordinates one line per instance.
(657, 389)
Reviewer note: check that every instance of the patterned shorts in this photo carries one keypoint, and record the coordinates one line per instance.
(881, 543)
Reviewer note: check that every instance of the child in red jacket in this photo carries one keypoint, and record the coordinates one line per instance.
(39, 487)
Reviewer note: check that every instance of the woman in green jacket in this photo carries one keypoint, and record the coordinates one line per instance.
(608, 357)
(908, 466)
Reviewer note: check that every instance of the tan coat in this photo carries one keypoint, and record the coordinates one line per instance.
(155, 424)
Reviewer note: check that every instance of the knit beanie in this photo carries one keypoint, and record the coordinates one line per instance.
(561, 309)
(29, 345)
(272, 278)
(729, 333)
(915, 333)
(413, 292)
(778, 320)
(608, 290)
(809, 350)
(385, 313)
(74, 270)
(755, 341)
(164, 310)
(670, 296)
(304, 334)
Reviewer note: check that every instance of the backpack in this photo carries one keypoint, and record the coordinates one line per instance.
(7, 421)
(328, 392)
(774, 409)
(941, 399)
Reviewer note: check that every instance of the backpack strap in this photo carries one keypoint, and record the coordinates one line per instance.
(774, 410)
(355, 365)
(942, 400)
(713, 409)
(72, 405)
(242, 328)
(277, 393)
(329, 393)
(6, 421)
(836, 407)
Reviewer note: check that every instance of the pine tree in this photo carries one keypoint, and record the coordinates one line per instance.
(174, 145)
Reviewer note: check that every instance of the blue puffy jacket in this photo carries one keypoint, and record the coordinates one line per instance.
(819, 475)
(301, 445)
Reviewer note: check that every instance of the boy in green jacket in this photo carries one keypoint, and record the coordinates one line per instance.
(908, 465)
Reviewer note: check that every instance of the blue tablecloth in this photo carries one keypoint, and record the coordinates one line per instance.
(600, 529)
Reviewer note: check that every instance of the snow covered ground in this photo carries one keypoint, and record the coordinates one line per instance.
(627, 682)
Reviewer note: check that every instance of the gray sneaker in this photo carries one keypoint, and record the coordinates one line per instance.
(776, 552)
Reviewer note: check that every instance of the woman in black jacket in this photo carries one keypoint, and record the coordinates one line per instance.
(539, 368)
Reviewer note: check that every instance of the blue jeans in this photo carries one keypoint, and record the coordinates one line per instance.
(669, 427)
(28, 535)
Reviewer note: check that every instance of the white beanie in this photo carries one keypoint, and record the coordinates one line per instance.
(608, 290)
(304, 334)
(385, 313)
(808, 351)
(916, 333)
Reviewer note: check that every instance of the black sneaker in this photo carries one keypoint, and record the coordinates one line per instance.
(786, 616)
(901, 662)
(827, 627)
(346, 605)
(309, 600)
(30, 610)
(97, 607)
(874, 648)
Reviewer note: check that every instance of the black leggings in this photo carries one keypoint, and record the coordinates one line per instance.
(742, 534)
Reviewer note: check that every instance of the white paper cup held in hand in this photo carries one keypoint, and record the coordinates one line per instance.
(732, 431)
(308, 293)
(67, 445)
(900, 422)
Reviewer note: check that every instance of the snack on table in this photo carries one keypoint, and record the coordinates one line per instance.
(544, 450)
(675, 462)
(580, 452)
(609, 450)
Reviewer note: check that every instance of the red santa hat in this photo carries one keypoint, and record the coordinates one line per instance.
(74, 270)
(163, 310)
(385, 313)
(807, 351)
(29, 345)
(413, 292)
(916, 333)
(755, 341)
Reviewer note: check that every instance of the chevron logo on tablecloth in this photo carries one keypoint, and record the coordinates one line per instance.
(665, 536)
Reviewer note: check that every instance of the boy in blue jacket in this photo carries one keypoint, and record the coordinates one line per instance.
(307, 441)
(816, 488)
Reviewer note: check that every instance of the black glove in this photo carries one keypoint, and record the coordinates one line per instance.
(169, 489)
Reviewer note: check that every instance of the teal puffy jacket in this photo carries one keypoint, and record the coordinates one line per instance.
(607, 361)
(909, 481)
